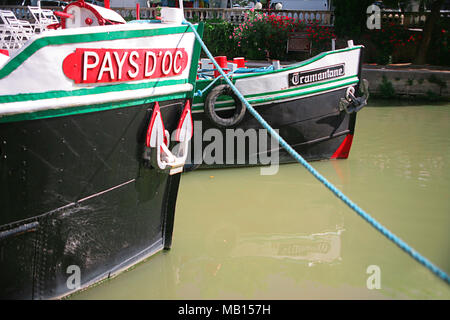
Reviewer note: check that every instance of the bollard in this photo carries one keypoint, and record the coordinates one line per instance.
(276, 64)
(222, 62)
(240, 62)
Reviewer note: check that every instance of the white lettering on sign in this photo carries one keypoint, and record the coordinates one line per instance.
(106, 66)
(147, 63)
(87, 65)
(120, 63)
(134, 64)
(164, 62)
(175, 69)
(112, 65)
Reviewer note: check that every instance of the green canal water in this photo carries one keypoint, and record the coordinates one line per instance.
(242, 235)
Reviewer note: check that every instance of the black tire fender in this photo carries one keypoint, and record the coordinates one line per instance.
(210, 111)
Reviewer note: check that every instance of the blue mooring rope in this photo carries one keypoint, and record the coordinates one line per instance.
(388, 234)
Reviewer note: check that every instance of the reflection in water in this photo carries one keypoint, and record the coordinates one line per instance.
(240, 235)
(319, 247)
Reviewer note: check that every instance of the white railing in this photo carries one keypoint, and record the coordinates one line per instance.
(234, 16)
(408, 19)
(237, 16)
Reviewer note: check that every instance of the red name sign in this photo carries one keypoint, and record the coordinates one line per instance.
(115, 65)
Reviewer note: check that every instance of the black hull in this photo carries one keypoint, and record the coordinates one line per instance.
(313, 126)
(76, 192)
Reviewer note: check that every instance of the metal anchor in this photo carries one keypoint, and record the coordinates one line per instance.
(157, 141)
(352, 104)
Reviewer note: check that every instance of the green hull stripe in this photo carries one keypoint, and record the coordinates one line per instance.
(195, 57)
(281, 97)
(87, 109)
(89, 37)
(88, 91)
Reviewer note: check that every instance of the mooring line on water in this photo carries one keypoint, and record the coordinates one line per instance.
(383, 230)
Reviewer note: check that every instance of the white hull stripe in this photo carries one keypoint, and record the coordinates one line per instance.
(93, 99)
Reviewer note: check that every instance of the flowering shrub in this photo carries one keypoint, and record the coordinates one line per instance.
(320, 37)
(390, 38)
(217, 38)
(264, 36)
(440, 44)
(393, 35)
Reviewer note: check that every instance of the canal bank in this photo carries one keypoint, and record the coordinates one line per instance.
(408, 81)
(404, 81)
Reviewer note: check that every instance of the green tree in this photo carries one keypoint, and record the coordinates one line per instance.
(430, 24)
(434, 7)
(350, 17)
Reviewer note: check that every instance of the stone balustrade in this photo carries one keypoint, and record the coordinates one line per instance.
(237, 16)
(408, 19)
(234, 16)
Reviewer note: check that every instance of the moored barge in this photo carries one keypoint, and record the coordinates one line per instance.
(313, 105)
(89, 179)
